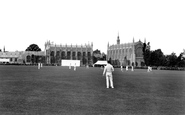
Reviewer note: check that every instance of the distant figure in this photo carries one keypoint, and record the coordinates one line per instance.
(127, 68)
(87, 66)
(38, 65)
(75, 67)
(70, 66)
(149, 69)
(122, 68)
(109, 77)
(132, 68)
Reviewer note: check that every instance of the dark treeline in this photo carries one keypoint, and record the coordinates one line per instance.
(157, 58)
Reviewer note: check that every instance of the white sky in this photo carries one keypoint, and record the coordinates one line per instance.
(161, 22)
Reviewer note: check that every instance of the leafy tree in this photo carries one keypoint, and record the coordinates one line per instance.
(157, 58)
(103, 56)
(110, 60)
(172, 60)
(146, 53)
(33, 47)
(181, 60)
(96, 55)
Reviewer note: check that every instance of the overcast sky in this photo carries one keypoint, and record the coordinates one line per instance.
(161, 22)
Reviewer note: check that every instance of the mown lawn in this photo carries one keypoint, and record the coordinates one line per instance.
(25, 90)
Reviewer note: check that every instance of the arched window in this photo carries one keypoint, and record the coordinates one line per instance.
(28, 58)
(57, 57)
(89, 54)
(58, 53)
(33, 58)
(52, 53)
(68, 55)
(84, 54)
(74, 55)
(139, 52)
(63, 54)
(79, 55)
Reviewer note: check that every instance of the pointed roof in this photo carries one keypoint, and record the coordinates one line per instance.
(4, 49)
(118, 40)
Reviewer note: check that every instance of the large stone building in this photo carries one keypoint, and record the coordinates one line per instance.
(56, 53)
(127, 53)
(22, 57)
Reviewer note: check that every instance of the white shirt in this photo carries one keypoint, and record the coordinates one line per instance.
(108, 69)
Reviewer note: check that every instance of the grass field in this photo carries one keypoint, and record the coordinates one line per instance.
(25, 90)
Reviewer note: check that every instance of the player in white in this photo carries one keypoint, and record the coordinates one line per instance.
(121, 68)
(75, 67)
(38, 65)
(109, 77)
(132, 68)
(87, 66)
(127, 68)
(70, 66)
(149, 69)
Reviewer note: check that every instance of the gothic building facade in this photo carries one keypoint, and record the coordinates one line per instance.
(55, 53)
(127, 53)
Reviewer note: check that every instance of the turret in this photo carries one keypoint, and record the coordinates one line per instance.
(4, 49)
(118, 40)
(91, 44)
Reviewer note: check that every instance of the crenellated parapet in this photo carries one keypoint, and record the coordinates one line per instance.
(56, 52)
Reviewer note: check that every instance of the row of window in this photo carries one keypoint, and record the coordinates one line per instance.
(119, 51)
(15, 59)
(52, 53)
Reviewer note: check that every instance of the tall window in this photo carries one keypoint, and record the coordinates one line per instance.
(63, 54)
(139, 52)
(79, 55)
(57, 56)
(74, 55)
(68, 55)
(84, 54)
(28, 58)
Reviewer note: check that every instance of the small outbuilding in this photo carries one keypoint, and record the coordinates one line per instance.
(100, 63)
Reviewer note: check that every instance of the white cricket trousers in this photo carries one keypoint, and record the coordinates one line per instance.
(109, 78)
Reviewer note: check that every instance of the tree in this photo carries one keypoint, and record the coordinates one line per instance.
(146, 53)
(181, 60)
(96, 55)
(172, 60)
(157, 58)
(103, 56)
(110, 60)
(33, 47)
